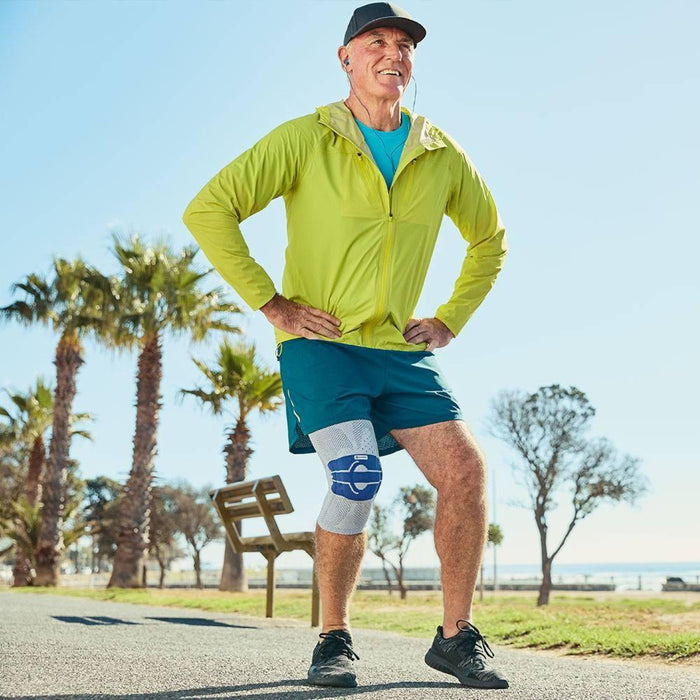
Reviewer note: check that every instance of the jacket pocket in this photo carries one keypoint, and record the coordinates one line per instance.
(361, 198)
(409, 185)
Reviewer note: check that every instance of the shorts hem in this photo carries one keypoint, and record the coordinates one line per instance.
(309, 449)
(432, 420)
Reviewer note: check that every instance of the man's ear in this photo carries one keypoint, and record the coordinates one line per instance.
(343, 55)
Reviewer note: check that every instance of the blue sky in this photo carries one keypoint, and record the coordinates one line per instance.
(581, 117)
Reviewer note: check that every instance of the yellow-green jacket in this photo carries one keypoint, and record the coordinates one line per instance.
(355, 249)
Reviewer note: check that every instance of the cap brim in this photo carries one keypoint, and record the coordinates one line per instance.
(415, 30)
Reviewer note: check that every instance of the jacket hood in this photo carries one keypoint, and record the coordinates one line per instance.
(422, 134)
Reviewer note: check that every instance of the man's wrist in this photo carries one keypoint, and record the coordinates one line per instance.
(446, 326)
(270, 305)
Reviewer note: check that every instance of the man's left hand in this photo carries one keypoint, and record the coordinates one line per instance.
(427, 330)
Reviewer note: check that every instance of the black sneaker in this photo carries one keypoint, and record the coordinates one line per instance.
(464, 656)
(332, 661)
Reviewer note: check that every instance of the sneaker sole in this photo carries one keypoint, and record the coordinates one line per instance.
(338, 681)
(440, 664)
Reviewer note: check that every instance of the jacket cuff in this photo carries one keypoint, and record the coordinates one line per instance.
(452, 325)
(260, 298)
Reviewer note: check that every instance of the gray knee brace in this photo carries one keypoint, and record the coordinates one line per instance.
(349, 452)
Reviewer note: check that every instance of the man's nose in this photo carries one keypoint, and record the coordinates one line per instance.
(395, 52)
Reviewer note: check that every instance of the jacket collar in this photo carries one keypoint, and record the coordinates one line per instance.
(422, 135)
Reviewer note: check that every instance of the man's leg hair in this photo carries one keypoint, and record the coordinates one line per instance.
(350, 455)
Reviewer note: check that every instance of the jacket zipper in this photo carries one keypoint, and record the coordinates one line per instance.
(386, 257)
(386, 253)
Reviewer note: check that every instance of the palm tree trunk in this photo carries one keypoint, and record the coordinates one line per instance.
(68, 361)
(132, 540)
(22, 574)
(32, 486)
(22, 570)
(238, 452)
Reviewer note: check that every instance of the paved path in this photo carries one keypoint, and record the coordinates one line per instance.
(58, 647)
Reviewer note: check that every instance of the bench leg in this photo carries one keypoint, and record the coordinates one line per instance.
(270, 601)
(315, 597)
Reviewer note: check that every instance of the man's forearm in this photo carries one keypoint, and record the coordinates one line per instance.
(476, 279)
(219, 235)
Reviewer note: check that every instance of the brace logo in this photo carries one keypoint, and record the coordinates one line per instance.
(356, 477)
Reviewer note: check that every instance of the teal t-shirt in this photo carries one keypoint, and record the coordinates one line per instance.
(386, 156)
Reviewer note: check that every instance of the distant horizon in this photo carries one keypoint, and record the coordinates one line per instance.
(488, 564)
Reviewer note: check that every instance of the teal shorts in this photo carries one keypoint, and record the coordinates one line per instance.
(327, 382)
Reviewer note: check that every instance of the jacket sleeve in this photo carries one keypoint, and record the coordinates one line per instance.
(246, 185)
(474, 213)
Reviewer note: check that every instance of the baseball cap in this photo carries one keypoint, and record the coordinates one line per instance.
(383, 14)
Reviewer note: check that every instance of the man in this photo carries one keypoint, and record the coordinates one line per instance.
(366, 183)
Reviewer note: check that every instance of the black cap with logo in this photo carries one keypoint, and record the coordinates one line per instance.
(383, 14)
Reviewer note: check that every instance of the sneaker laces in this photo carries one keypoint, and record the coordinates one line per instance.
(334, 644)
(485, 649)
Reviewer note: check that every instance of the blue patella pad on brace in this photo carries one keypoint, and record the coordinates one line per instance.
(357, 477)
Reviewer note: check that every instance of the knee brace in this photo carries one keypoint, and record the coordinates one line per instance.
(349, 452)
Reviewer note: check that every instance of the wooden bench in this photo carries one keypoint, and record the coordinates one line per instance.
(264, 498)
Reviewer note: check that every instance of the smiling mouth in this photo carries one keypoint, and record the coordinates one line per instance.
(395, 74)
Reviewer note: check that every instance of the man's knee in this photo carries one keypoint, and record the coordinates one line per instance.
(464, 475)
(354, 482)
(351, 457)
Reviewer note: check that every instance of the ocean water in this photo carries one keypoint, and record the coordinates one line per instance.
(625, 576)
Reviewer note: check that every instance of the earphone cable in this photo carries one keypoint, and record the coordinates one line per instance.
(415, 91)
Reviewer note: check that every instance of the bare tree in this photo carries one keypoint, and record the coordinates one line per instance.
(416, 506)
(380, 541)
(547, 430)
(163, 529)
(101, 513)
(494, 539)
(195, 520)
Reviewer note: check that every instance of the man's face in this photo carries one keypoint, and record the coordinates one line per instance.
(374, 53)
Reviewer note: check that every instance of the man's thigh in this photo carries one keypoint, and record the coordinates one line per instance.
(444, 452)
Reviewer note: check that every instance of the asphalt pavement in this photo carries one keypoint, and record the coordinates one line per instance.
(59, 647)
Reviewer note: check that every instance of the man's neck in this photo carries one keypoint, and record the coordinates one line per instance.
(383, 116)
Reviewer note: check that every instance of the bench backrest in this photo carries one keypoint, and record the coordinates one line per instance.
(257, 498)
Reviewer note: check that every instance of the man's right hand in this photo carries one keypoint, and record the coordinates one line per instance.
(299, 319)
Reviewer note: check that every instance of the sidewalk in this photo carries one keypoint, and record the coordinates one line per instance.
(59, 647)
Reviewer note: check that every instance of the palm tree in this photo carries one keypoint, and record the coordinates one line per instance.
(33, 413)
(31, 417)
(24, 529)
(27, 424)
(12, 462)
(236, 377)
(157, 292)
(72, 306)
